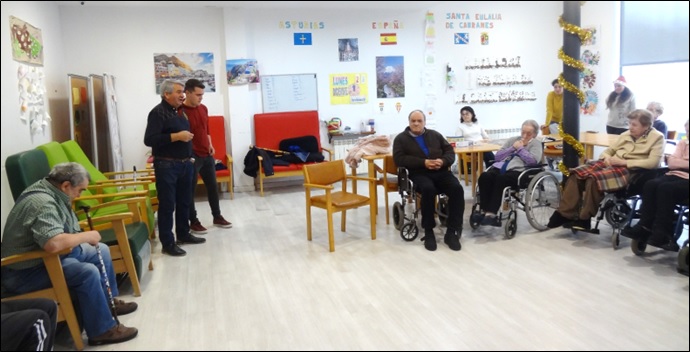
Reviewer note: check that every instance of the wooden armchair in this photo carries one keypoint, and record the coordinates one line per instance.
(323, 176)
(125, 234)
(388, 179)
(57, 292)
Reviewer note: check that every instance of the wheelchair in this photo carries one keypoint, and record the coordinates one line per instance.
(620, 208)
(407, 213)
(538, 194)
(682, 214)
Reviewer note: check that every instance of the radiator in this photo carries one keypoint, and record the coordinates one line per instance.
(501, 134)
(341, 147)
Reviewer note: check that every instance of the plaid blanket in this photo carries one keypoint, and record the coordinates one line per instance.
(609, 178)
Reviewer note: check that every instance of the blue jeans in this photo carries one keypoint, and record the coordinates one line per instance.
(82, 270)
(174, 186)
(206, 167)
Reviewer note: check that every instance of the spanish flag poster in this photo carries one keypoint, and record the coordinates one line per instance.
(389, 39)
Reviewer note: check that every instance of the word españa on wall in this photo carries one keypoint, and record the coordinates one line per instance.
(395, 24)
(479, 20)
(301, 25)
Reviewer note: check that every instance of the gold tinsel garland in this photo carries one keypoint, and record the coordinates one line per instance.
(584, 35)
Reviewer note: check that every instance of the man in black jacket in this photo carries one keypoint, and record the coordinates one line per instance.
(428, 156)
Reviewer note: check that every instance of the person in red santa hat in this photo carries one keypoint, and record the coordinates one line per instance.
(620, 103)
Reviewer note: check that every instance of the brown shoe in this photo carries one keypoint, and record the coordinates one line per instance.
(221, 222)
(119, 333)
(122, 307)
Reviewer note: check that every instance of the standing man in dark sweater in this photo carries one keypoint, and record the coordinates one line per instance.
(167, 133)
(202, 149)
(428, 156)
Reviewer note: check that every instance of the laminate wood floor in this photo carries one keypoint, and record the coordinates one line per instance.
(262, 286)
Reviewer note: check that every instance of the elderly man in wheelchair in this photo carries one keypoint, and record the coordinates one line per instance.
(427, 155)
(637, 150)
(516, 180)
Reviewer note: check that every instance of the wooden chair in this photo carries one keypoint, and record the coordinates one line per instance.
(216, 128)
(323, 176)
(124, 233)
(388, 179)
(58, 291)
(464, 166)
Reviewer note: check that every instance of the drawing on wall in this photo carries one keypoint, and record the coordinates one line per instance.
(27, 42)
(242, 71)
(32, 89)
(349, 88)
(591, 102)
(183, 66)
(348, 49)
(593, 38)
(588, 78)
(390, 76)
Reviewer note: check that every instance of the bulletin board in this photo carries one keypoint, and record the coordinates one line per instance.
(295, 92)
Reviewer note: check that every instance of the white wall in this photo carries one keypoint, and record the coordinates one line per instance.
(121, 41)
(16, 135)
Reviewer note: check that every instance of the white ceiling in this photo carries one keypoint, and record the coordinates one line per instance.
(316, 5)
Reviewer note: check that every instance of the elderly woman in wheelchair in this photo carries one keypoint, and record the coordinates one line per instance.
(638, 149)
(664, 201)
(508, 172)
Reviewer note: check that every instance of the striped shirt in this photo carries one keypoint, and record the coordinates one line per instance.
(35, 219)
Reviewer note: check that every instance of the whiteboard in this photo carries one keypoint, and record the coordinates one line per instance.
(295, 92)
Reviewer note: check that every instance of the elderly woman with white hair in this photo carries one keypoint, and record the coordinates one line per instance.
(639, 148)
(659, 198)
(516, 154)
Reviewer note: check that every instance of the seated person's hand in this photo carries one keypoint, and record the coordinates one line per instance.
(433, 164)
(616, 161)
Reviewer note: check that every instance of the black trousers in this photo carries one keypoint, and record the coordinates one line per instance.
(491, 184)
(659, 197)
(206, 167)
(432, 183)
(28, 324)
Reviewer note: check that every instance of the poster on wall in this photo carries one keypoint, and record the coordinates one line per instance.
(390, 77)
(183, 66)
(349, 88)
(242, 71)
(348, 49)
(27, 42)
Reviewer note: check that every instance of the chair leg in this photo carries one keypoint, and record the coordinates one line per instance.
(387, 215)
(372, 215)
(126, 250)
(308, 219)
(331, 240)
(343, 220)
(57, 279)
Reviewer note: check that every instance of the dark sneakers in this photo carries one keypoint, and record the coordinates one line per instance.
(174, 250)
(582, 224)
(191, 239)
(452, 240)
(491, 221)
(122, 307)
(119, 333)
(429, 241)
(557, 220)
(221, 222)
(196, 227)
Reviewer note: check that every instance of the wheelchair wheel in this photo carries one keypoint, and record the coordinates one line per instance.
(617, 215)
(475, 217)
(615, 239)
(638, 246)
(683, 259)
(398, 215)
(511, 225)
(442, 209)
(409, 231)
(542, 198)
